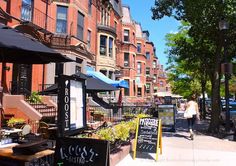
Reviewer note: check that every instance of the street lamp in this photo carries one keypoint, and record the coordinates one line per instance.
(223, 26)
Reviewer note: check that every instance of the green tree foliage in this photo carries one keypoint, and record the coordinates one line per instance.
(206, 40)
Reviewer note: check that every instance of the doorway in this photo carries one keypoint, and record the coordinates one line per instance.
(21, 79)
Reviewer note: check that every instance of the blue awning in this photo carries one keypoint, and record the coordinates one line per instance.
(101, 76)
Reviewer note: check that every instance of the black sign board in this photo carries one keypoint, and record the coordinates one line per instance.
(81, 152)
(71, 105)
(148, 136)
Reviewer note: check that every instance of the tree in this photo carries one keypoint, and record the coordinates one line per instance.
(187, 74)
(204, 16)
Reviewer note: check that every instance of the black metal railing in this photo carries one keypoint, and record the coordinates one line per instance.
(117, 113)
(37, 17)
(19, 87)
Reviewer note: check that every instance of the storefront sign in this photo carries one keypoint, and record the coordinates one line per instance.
(71, 105)
(81, 152)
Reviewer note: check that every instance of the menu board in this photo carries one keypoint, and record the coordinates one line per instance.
(81, 152)
(148, 136)
(167, 115)
(71, 105)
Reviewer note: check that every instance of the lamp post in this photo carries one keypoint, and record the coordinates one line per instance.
(223, 26)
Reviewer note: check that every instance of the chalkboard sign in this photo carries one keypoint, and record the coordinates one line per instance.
(148, 136)
(81, 152)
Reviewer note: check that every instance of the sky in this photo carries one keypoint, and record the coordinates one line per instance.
(141, 12)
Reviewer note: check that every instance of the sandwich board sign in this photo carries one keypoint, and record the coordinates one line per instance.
(81, 152)
(148, 136)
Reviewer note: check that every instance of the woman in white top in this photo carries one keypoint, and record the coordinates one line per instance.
(192, 108)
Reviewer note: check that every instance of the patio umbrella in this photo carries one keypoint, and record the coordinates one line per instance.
(93, 85)
(16, 47)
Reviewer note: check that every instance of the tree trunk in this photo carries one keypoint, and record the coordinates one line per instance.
(203, 82)
(215, 98)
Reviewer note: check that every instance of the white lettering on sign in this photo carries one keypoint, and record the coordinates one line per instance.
(149, 122)
(67, 106)
(78, 155)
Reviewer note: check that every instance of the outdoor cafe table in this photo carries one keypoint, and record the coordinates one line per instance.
(8, 132)
(8, 158)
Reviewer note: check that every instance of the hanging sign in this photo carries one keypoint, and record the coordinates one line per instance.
(148, 136)
(81, 152)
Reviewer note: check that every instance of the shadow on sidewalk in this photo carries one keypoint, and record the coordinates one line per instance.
(200, 128)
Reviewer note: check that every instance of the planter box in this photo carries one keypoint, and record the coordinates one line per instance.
(120, 153)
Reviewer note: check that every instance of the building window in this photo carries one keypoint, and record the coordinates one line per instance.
(154, 64)
(133, 37)
(148, 55)
(126, 35)
(61, 19)
(77, 69)
(126, 59)
(110, 75)
(27, 10)
(126, 90)
(89, 39)
(139, 47)
(105, 17)
(139, 69)
(90, 7)
(103, 72)
(139, 92)
(161, 83)
(80, 26)
(115, 26)
(134, 86)
(110, 47)
(134, 61)
(147, 71)
(103, 45)
(155, 78)
(148, 88)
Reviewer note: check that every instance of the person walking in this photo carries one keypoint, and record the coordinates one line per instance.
(191, 114)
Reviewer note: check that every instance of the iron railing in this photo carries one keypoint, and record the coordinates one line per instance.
(38, 17)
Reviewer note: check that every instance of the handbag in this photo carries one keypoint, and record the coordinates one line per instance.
(187, 114)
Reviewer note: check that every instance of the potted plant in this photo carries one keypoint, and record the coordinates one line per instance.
(15, 122)
(132, 125)
(122, 133)
(109, 135)
(35, 98)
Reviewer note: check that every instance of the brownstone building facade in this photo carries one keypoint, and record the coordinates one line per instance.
(97, 34)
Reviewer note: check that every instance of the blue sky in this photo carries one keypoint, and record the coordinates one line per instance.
(140, 12)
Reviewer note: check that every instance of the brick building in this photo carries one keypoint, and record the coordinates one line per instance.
(98, 34)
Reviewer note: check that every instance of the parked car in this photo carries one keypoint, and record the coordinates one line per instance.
(232, 111)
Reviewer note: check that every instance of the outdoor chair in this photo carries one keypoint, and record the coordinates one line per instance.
(43, 130)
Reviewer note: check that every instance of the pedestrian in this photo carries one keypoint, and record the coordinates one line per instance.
(191, 114)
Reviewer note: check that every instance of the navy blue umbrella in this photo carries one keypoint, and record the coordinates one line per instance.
(16, 47)
(93, 85)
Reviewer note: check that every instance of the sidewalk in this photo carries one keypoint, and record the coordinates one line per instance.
(179, 150)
